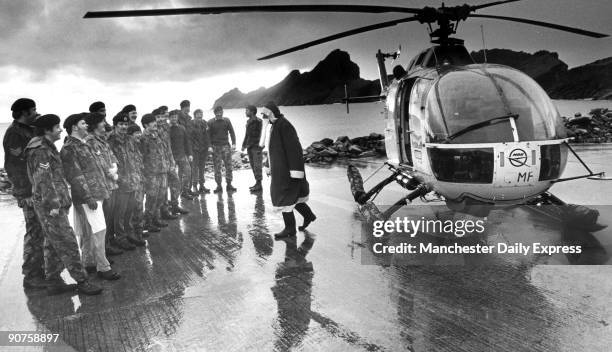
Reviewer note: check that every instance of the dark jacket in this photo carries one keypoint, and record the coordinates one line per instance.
(218, 130)
(15, 141)
(286, 165)
(46, 173)
(180, 142)
(199, 136)
(105, 156)
(253, 133)
(126, 151)
(154, 154)
(83, 172)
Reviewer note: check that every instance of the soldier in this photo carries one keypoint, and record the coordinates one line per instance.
(125, 150)
(138, 215)
(289, 188)
(218, 129)
(16, 139)
(88, 185)
(181, 150)
(200, 145)
(251, 145)
(186, 121)
(156, 166)
(51, 200)
(174, 183)
(130, 110)
(96, 138)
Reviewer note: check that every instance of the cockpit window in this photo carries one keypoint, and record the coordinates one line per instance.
(465, 97)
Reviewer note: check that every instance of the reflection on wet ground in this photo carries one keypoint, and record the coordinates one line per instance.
(216, 281)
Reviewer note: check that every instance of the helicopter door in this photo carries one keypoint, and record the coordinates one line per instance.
(406, 127)
(393, 128)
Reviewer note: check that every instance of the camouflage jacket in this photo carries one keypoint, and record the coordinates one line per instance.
(126, 151)
(46, 173)
(83, 172)
(163, 131)
(154, 154)
(199, 136)
(105, 156)
(15, 141)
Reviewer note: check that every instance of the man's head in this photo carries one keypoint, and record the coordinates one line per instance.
(24, 110)
(121, 121)
(134, 130)
(95, 123)
(48, 126)
(174, 114)
(185, 106)
(271, 111)
(250, 111)
(75, 125)
(149, 122)
(198, 114)
(130, 110)
(159, 116)
(98, 107)
(218, 111)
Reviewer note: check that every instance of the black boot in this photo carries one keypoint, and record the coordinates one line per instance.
(289, 230)
(257, 187)
(219, 189)
(179, 210)
(230, 188)
(306, 213)
(166, 214)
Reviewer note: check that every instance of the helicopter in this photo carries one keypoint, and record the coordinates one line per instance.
(477, 135)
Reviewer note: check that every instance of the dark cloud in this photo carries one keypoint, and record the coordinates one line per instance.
(43, 36)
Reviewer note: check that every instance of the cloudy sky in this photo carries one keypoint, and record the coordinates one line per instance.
(65, 62)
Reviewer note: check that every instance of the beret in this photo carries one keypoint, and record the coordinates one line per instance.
(175, 112)
(121, 117)
(218, 108)
(46, 121)
(185, 103)
(94, 118)
(96, 106)
(72, 120)
(147, 118)
(23, 104)
(128, 108)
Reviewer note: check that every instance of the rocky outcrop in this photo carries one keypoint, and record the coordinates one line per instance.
(326, 150)
(595, 128)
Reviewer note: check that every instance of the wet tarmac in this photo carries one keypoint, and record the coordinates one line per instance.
(215, 280)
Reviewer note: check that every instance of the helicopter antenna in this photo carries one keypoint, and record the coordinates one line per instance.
(484, 47)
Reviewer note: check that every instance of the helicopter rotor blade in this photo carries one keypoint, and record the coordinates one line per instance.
(546, 24)
(246, 9)
(478, 7)
(351, 32)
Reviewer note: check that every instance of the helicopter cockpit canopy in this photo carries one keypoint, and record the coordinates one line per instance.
(470, 95)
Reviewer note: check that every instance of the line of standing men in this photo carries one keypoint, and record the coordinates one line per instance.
(112, 169)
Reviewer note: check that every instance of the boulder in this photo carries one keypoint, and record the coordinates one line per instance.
(355, 150)
(328, 142)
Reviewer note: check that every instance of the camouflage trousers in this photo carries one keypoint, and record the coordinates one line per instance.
(108, 206)
(222, 154)
(184, 172)
(155, 188)
(198, 169)
(174, 184)
(61, 249)
(137, 220)
(256, 161)
(123, 209)
(33, 242)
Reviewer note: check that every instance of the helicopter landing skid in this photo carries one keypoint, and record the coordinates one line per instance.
(569, 215)
(364, 198)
